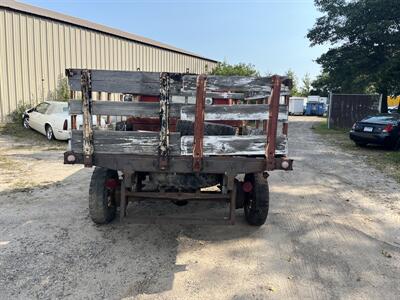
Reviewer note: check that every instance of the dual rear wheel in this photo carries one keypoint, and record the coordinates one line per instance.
(105, 182)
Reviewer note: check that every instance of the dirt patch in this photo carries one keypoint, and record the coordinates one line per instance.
(387, 161)
(332, 232)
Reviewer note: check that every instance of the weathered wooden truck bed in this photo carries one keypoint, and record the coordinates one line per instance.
(176, 162)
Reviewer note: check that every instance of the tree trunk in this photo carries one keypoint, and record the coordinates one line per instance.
(384, 105)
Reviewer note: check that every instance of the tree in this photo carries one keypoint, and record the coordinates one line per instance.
(240, 69)
(365, 45)
(62, 92)
(295, 90)
(321, 85)
(306, 88)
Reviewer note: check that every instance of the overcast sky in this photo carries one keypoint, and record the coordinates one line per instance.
(271, 34)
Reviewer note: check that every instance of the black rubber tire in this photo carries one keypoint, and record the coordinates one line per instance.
(397, 145)
(102, 209)
(256, 203)
(240, 195)
(360, 144)
(25, 122)
(49, 133)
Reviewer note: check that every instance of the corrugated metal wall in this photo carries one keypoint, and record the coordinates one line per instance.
(34, 52)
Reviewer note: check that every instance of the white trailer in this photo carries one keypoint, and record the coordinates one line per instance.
(296, 105)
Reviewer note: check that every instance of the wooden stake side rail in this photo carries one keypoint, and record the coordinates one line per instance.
(178, 110)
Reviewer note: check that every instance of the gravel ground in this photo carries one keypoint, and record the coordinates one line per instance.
(333, 232)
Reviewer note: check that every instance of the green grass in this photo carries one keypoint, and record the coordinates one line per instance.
(34, 138)
(384, 160)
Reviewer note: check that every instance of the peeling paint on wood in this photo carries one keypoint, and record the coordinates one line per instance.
(233, 145)
(118, 142)
(234, 112)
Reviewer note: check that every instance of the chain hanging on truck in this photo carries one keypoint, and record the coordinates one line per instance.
(163, 147)
(86, 87)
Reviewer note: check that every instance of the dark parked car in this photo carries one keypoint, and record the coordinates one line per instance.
(393, 110)
(382, 129)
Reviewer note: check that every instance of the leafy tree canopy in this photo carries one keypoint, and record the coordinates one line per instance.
(295, 88)
(365, 40)
(240, 69)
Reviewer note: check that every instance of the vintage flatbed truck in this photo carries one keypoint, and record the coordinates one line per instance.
(193, 147)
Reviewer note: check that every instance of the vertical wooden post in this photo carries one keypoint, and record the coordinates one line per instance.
(108, 117)
(199, 122)
(285, 126)
(273, 122)
(86, 86)
(163, 148)
(73, 117)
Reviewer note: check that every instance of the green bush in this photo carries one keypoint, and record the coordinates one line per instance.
(61, 93)
(16, 115)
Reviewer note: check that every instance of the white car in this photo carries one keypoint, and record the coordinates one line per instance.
(52, 119)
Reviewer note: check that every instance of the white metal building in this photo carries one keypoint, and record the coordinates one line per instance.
(37, 45)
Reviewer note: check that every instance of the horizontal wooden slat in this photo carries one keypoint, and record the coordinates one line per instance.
(229, 83)
(139, 83)
(133, 142)
(116, 108)
(234, 112)
(148, 83)
(185, 112)
(233, 145)
(217, 95)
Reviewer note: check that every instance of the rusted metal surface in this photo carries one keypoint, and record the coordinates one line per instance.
(163, 148)
(86, 88)
(199, 122)
(178, 196)
(73, 122)
(272, 123)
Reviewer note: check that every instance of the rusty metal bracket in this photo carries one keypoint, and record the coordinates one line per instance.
(86, 87)
(273, 122)
(199, 122)
(163, 148)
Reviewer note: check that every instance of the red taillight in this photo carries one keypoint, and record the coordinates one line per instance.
(111, 183)
(247, 187)
(65, 126)
(388, 128)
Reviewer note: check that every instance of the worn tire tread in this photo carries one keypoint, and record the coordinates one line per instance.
(99, 211)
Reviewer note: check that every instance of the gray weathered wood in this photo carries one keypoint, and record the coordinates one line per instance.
(148, 83)
(119, 142)
(234, 145)
(230, 83)
(117, 108)
(234, 112)
(130, 82)
(185, 112)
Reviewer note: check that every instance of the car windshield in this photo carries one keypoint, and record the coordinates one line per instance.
(56, 108)
(380, 118)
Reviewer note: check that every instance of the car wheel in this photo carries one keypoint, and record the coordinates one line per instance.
(397, 145)
(25, 122)
(360, 144)
(49, 133)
